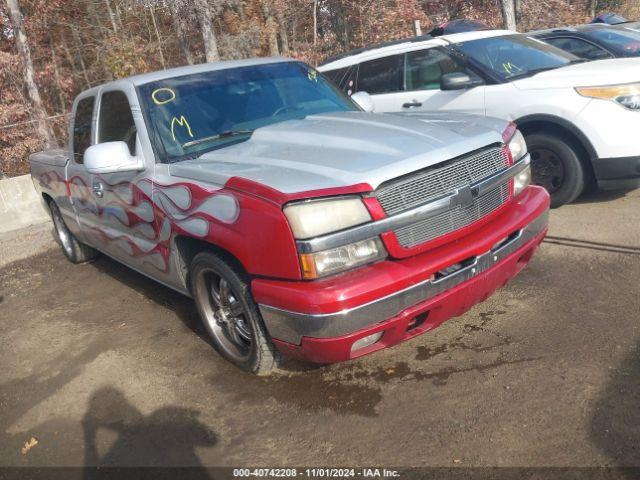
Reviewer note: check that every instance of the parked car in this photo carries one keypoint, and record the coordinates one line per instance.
(300, 224)
(609, 18)
(579, 119)
(457, 26)
(593, 42)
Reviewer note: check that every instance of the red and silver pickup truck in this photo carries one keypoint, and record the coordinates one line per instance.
(299, 222)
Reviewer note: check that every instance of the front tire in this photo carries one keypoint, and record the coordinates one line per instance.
(556, 166)
(230, 315)
(74, 249)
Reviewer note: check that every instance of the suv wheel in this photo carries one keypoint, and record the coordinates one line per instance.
(555, 165)
(74, 249)
(230, 315)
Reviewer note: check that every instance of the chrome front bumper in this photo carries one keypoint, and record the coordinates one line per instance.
(291, 326)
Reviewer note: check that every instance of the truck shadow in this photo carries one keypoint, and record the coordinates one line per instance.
(182, 306)
(166, 437)
(615, 425)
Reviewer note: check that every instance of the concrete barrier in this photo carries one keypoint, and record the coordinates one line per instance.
(20, 205)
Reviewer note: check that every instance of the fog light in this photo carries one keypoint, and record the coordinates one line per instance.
(366, 341)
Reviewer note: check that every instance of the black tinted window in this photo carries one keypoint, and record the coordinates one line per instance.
(425, 68)
(82, 128)
(344, 78)
(382, 75)
(115, 122)
(579, 48)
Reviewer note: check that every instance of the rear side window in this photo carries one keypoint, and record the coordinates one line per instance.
(579, 48)
(382, 75)
(82, 128)
(115, 123)
(425, 69)
(344, 78)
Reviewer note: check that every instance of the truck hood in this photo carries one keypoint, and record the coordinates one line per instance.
(588, 74)
(343, 149)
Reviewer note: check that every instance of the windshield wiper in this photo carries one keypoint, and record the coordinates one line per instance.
(218, 136)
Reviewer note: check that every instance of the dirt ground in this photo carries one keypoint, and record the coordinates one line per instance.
(102, 366)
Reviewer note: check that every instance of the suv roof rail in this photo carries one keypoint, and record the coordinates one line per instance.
(356, 51)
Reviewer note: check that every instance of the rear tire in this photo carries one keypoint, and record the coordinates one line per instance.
(231, 317)
(73, 249)
(556, 166)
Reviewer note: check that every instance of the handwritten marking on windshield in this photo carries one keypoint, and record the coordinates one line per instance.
(161, 101)
(183, 123)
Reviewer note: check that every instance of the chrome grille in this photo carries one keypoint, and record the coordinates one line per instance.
(441, 180)
(451, 220)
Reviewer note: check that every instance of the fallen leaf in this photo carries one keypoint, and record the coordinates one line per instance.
(457, 460)
(390, 371)
(29, 445)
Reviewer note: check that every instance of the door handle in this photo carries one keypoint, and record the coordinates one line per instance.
(98, 189)
(414, 103)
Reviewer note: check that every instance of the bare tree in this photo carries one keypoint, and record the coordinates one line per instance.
(208, 34)
(42, 125)
(179, 24)
(508, 14)
(272, 30)
(155, 29)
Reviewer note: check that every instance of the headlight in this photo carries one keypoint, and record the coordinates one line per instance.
(521, 181)
(320, 264)
(317, 217)
(627, 95)
(518, 146)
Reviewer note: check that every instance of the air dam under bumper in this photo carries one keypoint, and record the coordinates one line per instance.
(328, 337)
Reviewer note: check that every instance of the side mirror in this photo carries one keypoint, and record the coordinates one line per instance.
(364, 101)
(458, 81)
(111, 157)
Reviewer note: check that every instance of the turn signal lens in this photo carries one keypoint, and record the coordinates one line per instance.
(320, 264)
(628, 96)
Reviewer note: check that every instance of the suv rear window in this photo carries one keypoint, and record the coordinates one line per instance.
(382, 75)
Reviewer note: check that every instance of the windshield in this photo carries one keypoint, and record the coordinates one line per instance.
(515, 56)
(625, 42)
(196, 113)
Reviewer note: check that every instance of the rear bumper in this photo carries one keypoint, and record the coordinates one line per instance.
(402, 298)
(617, 173)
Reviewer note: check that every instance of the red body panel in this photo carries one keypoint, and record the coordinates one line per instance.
(451, 303)
(369, 283)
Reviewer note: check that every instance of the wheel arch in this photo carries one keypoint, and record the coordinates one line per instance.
(559, 126)
(188, 247)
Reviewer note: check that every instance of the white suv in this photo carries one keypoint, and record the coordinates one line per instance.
(581, 120)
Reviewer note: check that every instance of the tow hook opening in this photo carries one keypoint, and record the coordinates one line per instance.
(505, 241)
(451, 269)
(417, 321)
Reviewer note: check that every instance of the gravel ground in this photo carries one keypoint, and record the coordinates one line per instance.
(103, 366)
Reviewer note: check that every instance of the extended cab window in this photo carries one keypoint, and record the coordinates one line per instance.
(425, 69)
(382, 75)
(82, 128)
(115, 123)
(580, 48)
